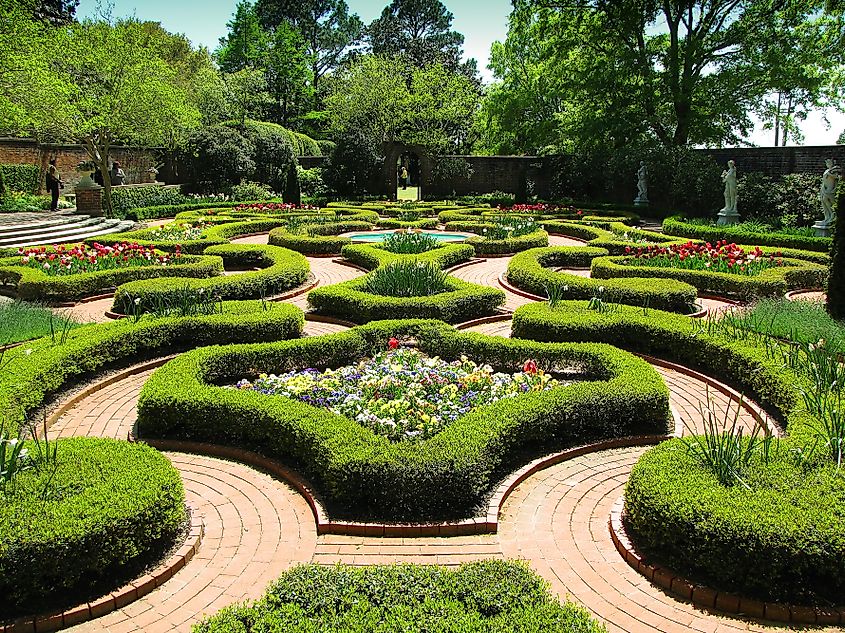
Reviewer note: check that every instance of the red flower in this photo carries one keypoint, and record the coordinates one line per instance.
(530, 367)
(393, 343)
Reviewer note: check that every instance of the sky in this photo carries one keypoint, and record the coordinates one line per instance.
(482, 22)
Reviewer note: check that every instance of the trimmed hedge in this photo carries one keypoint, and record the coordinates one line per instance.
(786, 543)
(35, 285)
(362, 474)
(108, 506)
(34, 371)
(481, 597)
(530, 271)
(350, 300)
(125, 199)
(171, 210)
(425, 223)
(483, 246)
(772, 282)
(370, 256)
(676, 226)
(282, 270)
(782, 540)
(323, 238)
(25, 178)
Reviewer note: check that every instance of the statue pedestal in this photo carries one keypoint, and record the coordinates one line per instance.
(640, 202)
(726, 218)
(89, 197)
(823, 228)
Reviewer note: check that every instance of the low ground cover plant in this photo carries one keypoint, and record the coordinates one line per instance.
(72, 260)
(402, 393)
(482, 597)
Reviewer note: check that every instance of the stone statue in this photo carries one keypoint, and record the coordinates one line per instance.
(642, 184)
(729, 214)
(827, 191)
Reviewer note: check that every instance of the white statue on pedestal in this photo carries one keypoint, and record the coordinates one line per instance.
(827, 191)
(642, 184)
(729, 214)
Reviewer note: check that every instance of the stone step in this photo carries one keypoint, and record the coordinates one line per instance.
(9, 229)
(41, 229)
(76, 234)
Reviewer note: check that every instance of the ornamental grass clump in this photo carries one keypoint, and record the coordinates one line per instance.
(61, 260)
(407, 279)
(410, 243)
(721, 258)
(402, 393)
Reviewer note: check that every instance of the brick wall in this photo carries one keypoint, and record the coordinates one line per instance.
(23, 151)
(777, 161)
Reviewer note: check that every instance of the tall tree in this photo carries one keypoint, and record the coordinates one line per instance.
(420, 30)
(246, 44)
(56, 12)
(327, 27)
(289, 75)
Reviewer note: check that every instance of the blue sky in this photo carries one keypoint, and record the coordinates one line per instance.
(481, 21)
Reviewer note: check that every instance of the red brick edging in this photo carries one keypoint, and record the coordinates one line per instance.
(118, 598)
(503, 315)
(707, 597)
(792, 295)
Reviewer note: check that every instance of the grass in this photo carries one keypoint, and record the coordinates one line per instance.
(753, 227)
(20, 321)
(798, 321)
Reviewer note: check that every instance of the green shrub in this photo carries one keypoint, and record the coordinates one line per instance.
(797, 321)
(410, 243)
(275, 150)
(780, 539)
(281, 270)
(370, 256)
(35, 285)
(352, 300)
(169, 211)
(247, 190)
(365, 475)
(425, 223)
(39, 369)
(311, 182)
(353, 164)
(126, 199)
(216, 157)
(772, 282)
(530, 271)
(23, 178)
(677, 226)
(407, 278)
(487, 596)
(508, 245)
(320, 239)
(84, 522)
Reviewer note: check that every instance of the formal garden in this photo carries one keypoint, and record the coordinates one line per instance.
(395, 350)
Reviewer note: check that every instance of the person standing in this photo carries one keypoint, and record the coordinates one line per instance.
(54, 183)
(403, 175)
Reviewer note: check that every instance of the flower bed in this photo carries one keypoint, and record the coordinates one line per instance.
(401, 393)
(63, 260)
(365, 475)
(76, 527)
(489, 596)
(529, 271)
(720, 257)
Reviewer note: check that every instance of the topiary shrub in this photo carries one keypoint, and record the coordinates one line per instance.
(273, 152)
(217, 157)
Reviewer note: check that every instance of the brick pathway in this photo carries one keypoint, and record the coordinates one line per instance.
(328, 272)
(261, 238)
(486, 273)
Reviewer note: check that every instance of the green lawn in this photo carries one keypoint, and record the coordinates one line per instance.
(800, 321)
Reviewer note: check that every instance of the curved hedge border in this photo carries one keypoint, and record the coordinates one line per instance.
(282, 270)
(325, 239)
(370, 256)
(508, 246)
(772, 282)
(676, 226)
(114, 503)
(38, 369)
(425, 223)
(364, 474)
(476, 214)
(529, 271)
(35, 285)
(731, 546)
(485, 596)
(461, 301)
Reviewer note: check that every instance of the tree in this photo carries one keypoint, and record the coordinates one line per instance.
(245, 47)
(55, 12)
(353, 163)
(841, 140)
(327, 27)
(288, 75)
(247, 94)
(679, 71)
(420, 30)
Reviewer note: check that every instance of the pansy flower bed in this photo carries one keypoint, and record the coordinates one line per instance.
(720, 257)
(62, 260)
(402, 393)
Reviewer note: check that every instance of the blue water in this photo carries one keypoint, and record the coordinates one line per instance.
(380, 236)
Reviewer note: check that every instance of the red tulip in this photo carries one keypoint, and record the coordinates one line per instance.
(393, 343)
(530, 367)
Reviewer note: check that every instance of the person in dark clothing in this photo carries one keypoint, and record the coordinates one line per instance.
(97, 176)
(54, 183)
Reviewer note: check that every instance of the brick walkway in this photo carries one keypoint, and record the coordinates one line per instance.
(486, 273)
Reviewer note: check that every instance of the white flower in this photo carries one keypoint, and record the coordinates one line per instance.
(601, 288)
(138, 301)
(28, 351)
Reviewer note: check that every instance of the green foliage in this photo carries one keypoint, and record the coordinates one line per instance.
(353, 164)
(274, 152)
(489, 596)
(35, 285)
(21, 321)
(311, 182)
(246, 43)
(354, 300)
(797, 321)
(84, 523)
(493, 246)
(371, 256)
(836, 279)
(531, 271)
(407, 278)
(410, 243)
(217, 157)
(254, 191)
(23, 178)
(366, 475)
(318, 239)
(128, 199)
(779, 538)
(678, 227)
(168, 211)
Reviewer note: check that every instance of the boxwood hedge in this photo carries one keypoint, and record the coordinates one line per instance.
(481, 597)
(772, 282)
(79, 526)
(371, 256)
(425, 223)
(461, 301)
(362, 474)
(677, 226)
(35, 285)
(785, 539)
(281, 269)
(39, 369)
(323, 239)
(531, 271)
(483, 246)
